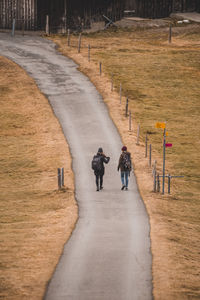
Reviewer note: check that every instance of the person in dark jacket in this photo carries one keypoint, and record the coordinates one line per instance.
(125, 166)
(100, 173)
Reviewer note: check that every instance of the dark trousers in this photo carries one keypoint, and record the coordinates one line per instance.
(99, 180)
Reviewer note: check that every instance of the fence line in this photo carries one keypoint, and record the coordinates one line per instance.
(156, 176)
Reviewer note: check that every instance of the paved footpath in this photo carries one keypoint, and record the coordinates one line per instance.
(108, 256)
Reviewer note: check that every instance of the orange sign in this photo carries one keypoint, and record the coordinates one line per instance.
(160, 125)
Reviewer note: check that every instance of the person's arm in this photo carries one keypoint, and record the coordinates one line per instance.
(130, 161)
(106, 159)
(119, 163)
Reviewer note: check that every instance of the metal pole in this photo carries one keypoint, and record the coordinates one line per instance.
(138, 135)
(13, 28)
(150, 155)
(89, 53)
(164, 142)
(120, 93)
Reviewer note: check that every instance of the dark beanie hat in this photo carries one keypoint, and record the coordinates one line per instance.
(124, 148)
(100, 150)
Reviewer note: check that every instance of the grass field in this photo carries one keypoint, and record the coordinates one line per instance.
(162, 83)
(36, 219)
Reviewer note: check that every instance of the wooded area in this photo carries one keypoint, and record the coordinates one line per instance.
(80, 14)
(23, 11)
(161, 8)
(77, 14)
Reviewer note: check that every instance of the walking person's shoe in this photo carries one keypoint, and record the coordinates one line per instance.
(126, 188)
(101, 188)
(123, 187)
(97, 188)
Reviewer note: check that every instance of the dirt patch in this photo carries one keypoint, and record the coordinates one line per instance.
(36, 219)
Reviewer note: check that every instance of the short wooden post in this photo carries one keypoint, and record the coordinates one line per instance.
(150, 155)
(13, 28)
(112, 82)
(23, 26)
(154, 181)
(126, 109)
(129, 120)
(59, 178)
(62, 177)
(169, 183)
(89, 52)
(146, 145)
(100, 68)
(47, 25)
(79, 43)
(138, 135)
(120, 93)
(68, 37)
(170, 33)
(158, 183)
(154, 167)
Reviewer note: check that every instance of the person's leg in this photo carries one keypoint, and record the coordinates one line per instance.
(97, 182)
(122, 179)
(126, 178)
(101, 182)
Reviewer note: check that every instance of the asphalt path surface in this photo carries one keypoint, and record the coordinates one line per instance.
(108, 256)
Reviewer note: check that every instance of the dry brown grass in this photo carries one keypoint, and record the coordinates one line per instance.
(162, 83)
(36, 219)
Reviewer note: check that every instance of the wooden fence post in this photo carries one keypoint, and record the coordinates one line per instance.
(146, 145)
(158, 183)
(150, 155)
(68, 37)
(62, 177)
(138, 135)
(13, 28)
(154, 181)
(89, 52)
(112, 82)
(169, 183)
(120, 93)
(100, 68)
(59, 178)
(23, 26)
(126, 109)
(170, 33)
(129, 120)
(79, 43)
(154, 167)
(47, 25)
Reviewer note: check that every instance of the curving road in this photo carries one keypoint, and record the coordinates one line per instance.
(108, 256)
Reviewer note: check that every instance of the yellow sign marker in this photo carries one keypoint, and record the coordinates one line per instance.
(160, 125)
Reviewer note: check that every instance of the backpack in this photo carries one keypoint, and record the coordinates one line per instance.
(96, 163)
(126, 161)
